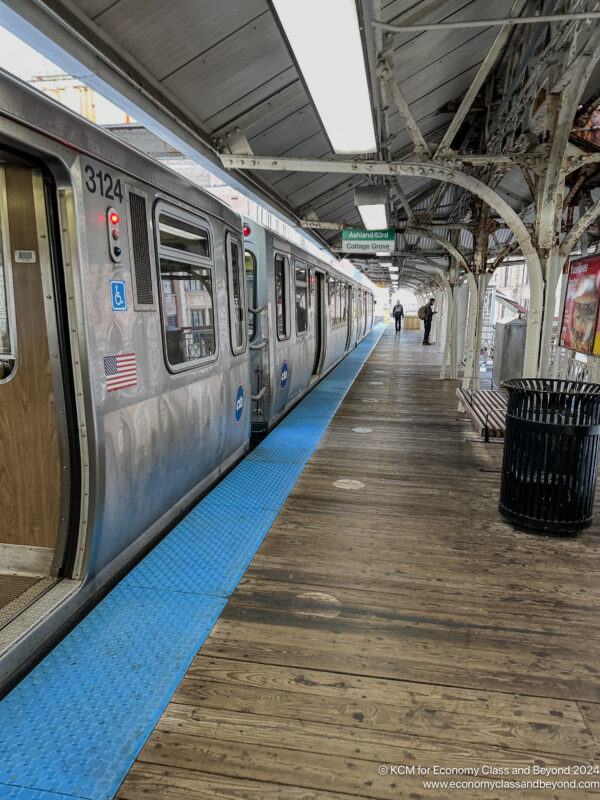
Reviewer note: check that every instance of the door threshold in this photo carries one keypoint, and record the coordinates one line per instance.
(18, 592)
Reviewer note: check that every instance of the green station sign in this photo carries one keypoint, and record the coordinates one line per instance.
(357, 240)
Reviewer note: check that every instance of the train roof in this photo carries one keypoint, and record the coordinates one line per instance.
(24, 104)
(344, 268)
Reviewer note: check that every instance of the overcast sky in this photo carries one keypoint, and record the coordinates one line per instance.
(20, 59)
(26, 63)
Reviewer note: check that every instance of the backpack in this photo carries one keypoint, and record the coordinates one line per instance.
(422, 312)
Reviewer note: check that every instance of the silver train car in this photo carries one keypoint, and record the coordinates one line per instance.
(130, 369)
(304, 317)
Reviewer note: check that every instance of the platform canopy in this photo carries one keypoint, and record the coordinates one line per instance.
(484, 116)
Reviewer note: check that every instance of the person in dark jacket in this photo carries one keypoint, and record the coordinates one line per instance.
(429, 312)
(398, 313)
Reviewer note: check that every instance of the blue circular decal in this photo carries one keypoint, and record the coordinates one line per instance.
(239, 404)
(284, 375)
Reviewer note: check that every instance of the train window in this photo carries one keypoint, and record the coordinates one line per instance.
(188, 316)
(251, 290)
(301, 297)
(198, 320)
(339, 301)
(311, 286)
(184, 236)
(187, 286)
(331, 298)
(338, 294)
(335, 303)
(237, 304)
(7, 344)
(6, 359)
(281, 293)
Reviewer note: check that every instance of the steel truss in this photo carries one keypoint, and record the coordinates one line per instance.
(531, 82)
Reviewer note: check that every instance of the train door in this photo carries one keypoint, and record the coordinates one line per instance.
(319, 321)
(34, 469)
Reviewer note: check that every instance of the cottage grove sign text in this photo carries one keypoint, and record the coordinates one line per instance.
(356, 240)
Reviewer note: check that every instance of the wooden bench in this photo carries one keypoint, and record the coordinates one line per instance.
(487, 409)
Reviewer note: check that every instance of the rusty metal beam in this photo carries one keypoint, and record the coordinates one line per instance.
(484, 23)
(482, 73)
(385, 73)
(437, 172)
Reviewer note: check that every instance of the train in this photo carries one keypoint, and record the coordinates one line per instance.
(148, 334)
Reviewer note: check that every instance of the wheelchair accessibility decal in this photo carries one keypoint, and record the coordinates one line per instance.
(117, 296)
(284, 375)
(239, 404)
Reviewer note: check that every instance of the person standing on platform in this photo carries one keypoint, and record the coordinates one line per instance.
(429, 312)
(398, 313)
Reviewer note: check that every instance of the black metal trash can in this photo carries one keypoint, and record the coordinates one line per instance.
(550, 460)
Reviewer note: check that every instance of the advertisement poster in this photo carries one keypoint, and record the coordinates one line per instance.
(580, 317)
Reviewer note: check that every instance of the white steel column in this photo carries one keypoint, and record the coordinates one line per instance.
(482, 284)
(471, 330)
(450, 337)
(461, 320)
(455, 341)
(553, 270)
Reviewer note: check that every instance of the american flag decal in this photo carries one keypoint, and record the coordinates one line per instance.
(120, 371)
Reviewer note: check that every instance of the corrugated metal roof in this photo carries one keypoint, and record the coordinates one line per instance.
(226, 64)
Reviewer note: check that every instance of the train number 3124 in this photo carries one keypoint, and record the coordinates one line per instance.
(103, 182)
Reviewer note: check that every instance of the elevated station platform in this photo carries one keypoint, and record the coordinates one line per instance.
(389, 621)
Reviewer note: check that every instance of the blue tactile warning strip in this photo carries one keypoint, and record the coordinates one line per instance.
(21, 793)
(74, 726)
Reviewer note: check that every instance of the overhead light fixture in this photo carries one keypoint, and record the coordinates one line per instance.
(334, 70)
(371, 202)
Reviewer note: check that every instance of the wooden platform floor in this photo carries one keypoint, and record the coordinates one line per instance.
(396, 621)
